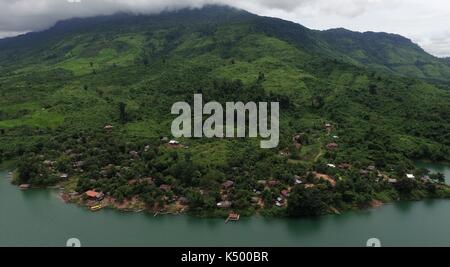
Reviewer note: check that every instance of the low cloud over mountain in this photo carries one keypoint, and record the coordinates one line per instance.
(421, 21)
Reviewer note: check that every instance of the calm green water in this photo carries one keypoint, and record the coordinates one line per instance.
(39, 218)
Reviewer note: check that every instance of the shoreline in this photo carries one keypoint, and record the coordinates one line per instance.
(77, 199)
(137, 206)
(129, 206)
(66, 198)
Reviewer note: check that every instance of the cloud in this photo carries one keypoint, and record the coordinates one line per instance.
(21, 15)
(419, 20)
(4, 34)
(439, 44)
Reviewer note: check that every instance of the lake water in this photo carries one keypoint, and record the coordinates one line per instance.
(39, 218)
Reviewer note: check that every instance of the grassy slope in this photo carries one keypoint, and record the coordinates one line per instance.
(78, 83)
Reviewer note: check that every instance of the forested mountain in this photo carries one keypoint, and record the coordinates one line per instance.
(389, 52)
(59, 89)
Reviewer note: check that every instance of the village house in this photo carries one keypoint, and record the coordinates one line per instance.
(108, 167)
(280, 202)
(273, 183)
(223, 197)
(173, 144)
(91, 194)
(256, 191)
(227, 185)
(165, 187)
(133, 182)
(79, 164)
(224, 204)
(332, 146)
(345, 166)
(64, 176)
(410, 176)
(109, 127)
(183, 201)
(392, 181)
(298, 140)
(134, 154)
(285, 193)
(48, 163)
(372, 168)
(285, 153)
(331, 166)
(255, 200)
(262, 182)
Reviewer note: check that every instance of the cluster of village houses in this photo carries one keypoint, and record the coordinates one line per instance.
(94, 197)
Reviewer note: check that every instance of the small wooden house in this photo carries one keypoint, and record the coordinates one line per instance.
(94, 195)
(165, 187)
(227, 185)
(332, 146)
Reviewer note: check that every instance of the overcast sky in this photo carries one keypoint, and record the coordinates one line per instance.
(426, 22)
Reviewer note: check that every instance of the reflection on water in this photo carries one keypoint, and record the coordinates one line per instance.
(404, 207)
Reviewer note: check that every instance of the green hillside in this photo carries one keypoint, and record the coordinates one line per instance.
(388, 52)
(447, 60)
(61, 87)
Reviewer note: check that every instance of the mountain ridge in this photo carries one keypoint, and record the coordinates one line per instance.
(378, 50)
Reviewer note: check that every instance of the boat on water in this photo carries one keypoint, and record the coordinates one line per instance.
(24, 186)
(96, 208)
(233, 217)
